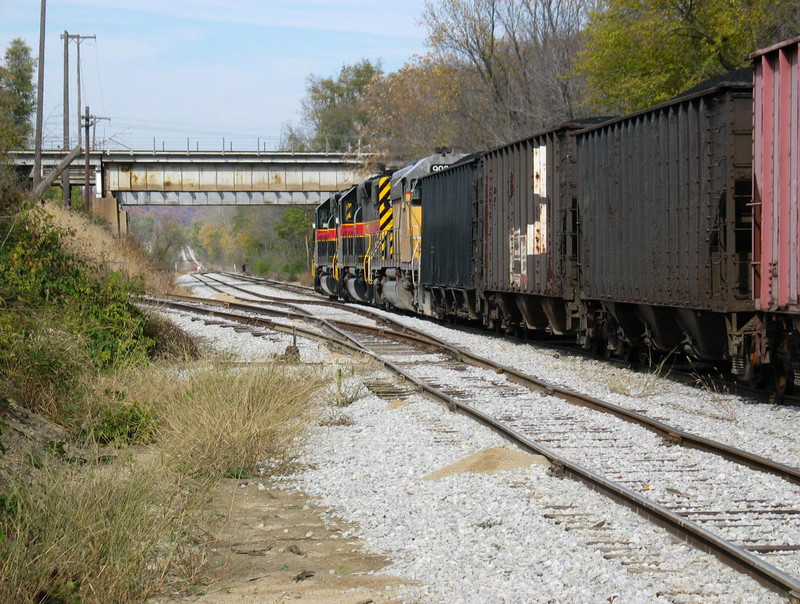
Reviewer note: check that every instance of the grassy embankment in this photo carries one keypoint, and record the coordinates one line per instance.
(113, 425)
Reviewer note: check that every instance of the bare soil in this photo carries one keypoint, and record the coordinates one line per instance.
(28, 439)
(273, 546)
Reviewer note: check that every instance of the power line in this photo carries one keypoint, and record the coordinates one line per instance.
(77, 38)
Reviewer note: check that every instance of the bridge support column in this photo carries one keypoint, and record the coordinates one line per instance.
(108, 209)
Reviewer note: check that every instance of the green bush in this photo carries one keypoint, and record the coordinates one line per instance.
(261, 266)
(36, 273)
(293, 268)
(45, 370)
(34, 269)
(121, 425)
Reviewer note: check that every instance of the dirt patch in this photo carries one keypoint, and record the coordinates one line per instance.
(267, 544)
(273, 546)
(396, 404)
(28, 438)
(489, 461)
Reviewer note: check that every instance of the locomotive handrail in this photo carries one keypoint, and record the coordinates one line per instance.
(415, 264)
(368, 262)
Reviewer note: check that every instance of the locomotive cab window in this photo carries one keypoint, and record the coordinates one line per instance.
(323, 215)
(416, 196)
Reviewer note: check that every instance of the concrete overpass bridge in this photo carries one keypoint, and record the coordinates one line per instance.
(199, 178)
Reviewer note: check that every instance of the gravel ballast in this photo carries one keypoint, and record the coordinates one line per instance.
(517, 535)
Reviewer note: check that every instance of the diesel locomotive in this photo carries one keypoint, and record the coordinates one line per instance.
(672, 229)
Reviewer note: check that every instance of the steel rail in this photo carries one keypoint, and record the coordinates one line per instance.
(364, 311)
(670, 433)
(732, 555)
(683, 376)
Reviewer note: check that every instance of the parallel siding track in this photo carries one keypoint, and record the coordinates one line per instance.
(746, 532)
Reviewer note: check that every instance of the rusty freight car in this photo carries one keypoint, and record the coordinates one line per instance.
(770, 339)
(451, 241)
(665, 222)
(528, 214)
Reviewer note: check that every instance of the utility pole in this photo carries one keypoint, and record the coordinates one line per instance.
(37, 160)
(89, 121)
(66, 36)
(78, 39)
(86, 187)
(65, 188)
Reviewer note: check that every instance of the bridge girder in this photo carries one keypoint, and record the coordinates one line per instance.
(219, 178)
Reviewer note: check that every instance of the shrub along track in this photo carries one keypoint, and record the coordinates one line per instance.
(721, 523)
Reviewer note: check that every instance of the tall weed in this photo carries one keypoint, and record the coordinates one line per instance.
(47, 371)
(97, 535)
(221, 421)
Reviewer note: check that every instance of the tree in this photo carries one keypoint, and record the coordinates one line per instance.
(332, 109)
(169, 239)
(17, 96)
(294, 228)
(293, 139)
(521, 51)
(140, 227)
(16, 107)
(641, 52)
(215, 240)
(421, 107)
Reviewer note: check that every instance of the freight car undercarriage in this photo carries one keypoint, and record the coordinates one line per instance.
(763, 350)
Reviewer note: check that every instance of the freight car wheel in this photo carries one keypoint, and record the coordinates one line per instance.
(782, 378)
(782, 374)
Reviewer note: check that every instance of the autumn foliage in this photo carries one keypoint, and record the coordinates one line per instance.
(499, 70)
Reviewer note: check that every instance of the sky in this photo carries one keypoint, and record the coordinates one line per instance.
(163, 71)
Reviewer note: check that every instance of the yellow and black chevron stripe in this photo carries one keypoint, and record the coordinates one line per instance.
(349, 210)
(386, 215)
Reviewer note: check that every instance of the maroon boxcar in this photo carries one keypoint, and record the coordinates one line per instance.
(771, 337)
(776, 186)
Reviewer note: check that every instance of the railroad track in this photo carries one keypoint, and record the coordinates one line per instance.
(676, 487)
(700, 375)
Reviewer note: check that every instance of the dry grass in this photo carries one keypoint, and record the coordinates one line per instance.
(717, 395)
(121, 533)
(217, 421)
(99, 246)
(48, 372)
(171, 342)
(79, 534)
